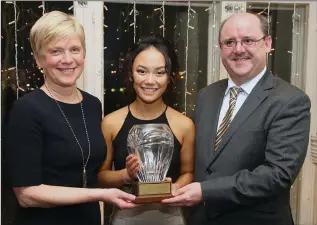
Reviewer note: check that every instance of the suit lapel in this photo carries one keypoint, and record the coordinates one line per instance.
(256, 97)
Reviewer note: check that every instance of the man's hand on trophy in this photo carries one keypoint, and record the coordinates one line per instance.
(133, 165)
(188, 195)
(119, 198)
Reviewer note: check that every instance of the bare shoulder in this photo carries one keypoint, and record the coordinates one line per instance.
(179, 121)
(114, 121)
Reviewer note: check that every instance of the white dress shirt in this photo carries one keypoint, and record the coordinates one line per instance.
(246, 87)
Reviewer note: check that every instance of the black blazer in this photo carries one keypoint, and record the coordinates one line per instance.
(247, 180)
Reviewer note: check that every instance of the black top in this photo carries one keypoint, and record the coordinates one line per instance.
(120, 151)
(42, 150)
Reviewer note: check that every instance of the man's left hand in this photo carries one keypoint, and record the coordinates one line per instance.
(188, 195)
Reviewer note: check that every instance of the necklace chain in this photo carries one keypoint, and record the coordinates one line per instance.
(72, 130)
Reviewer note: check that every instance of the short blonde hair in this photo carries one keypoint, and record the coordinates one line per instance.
(55, 25)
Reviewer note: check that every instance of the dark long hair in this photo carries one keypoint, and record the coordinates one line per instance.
(164, 46)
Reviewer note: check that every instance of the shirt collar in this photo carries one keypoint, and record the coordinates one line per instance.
(248, 86)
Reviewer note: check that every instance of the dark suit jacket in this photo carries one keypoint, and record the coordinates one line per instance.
(247, 180)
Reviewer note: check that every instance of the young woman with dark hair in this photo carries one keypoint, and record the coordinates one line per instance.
(150, 68)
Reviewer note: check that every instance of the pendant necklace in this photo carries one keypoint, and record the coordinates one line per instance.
(72, 130)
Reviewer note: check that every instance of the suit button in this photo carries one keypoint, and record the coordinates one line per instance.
(208, 171)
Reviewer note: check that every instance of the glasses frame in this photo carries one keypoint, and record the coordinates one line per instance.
(241, 42)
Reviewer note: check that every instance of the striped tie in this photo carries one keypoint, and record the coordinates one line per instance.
(234, 91)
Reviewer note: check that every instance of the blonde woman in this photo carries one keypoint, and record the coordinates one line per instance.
(55, 144)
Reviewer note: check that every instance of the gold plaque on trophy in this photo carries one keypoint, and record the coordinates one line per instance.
(146, 192)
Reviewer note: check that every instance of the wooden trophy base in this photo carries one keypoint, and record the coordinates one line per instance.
(152, 192)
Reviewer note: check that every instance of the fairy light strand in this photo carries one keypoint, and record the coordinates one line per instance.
(215, 45)
(186, 59)
(189, 11)
(134, 20)
(294, 34)
(293, 18)
(268, 17)
(162, 17)
(16, 48)
(135, 13)
(43, 8)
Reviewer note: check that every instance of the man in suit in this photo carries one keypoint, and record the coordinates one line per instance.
(252, 132)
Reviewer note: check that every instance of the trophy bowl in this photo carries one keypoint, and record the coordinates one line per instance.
(153, 144)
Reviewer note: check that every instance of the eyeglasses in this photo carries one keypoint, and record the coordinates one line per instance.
(230, 44)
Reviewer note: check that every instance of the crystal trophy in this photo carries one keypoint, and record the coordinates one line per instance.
(153, 144)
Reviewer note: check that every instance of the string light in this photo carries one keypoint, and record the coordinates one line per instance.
(293, 19)
(162, 17)
(43, 3)
(16, 49)
(215, 40)
(294, 65)
(268, 25)
(268, 17)
(189, 16)
(135, 13)
(43, 7)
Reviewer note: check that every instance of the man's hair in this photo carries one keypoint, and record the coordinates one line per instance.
(52, 26)
(263, 21)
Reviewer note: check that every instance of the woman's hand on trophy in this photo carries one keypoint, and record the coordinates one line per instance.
(133, 166)
(118, 198)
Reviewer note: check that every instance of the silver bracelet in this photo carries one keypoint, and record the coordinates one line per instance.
(124, 180)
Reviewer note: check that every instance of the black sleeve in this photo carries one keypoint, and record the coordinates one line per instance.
(24, 143)
(100, 111)
(97, 106)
